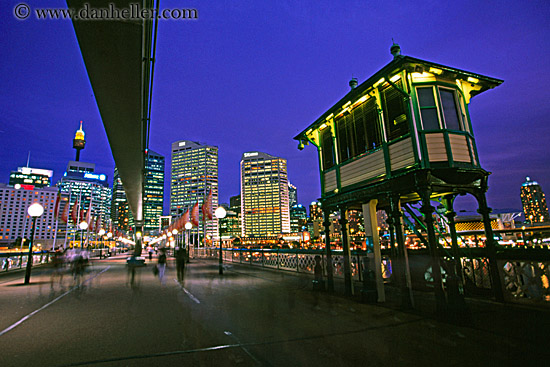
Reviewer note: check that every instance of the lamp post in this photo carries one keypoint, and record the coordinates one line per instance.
(175, 233)
(101, 233)
(35, 210)
(220, 213)
(83, 226)
(138, 242)
(188, 226)
(109, 235)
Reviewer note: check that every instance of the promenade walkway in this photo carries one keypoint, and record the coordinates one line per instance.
(247, 317)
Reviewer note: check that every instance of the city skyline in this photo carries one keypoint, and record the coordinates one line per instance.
(282, 67)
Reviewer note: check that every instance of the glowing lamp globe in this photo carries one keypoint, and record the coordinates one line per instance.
(35, 210)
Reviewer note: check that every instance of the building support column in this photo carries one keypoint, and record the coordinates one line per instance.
(490, 244)
(330, 267)
(455, 281)
(138, 229)
(371, 231)
(348, 281)
(407, 299)
(428, 211)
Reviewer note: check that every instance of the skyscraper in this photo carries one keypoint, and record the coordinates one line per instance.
(154, 191)
(235, 207)
(152, 202)
(31, 177)
(264, 195)
(121, 215)
(298, 218)
(81, 183)
(315, 222)
(292, 195)
(194, 174)
(15, 223)
(534, 202)
(230, 226)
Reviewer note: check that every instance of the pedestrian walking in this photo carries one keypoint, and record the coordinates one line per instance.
(58, 262)
(181, 257)
(162, 264)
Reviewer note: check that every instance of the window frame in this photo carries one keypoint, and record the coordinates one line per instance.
(442, 123)
(327, 150)
(390, 126)
(357, 133)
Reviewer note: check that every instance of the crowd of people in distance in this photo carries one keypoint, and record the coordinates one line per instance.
(75, 260)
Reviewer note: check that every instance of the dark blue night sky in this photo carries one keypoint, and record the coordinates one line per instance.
(249, 75)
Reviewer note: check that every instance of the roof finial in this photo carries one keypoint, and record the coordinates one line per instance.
(353, 82)
(395, 49)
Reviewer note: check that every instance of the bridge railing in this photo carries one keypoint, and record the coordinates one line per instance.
(296, 260)
(525, 273)
(10, 261)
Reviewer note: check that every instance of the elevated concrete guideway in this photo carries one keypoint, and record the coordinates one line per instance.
(247, 317)
(119, 56)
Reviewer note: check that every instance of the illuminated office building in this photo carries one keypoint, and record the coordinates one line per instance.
(534, 202)
(298, 218)
(230, 226)
(194, 173)
(30, 177)
(121, 215)
(315, 222)
(15, 223)
(81, 182)
(154, 192)
(292, 195)
(264, 195)
(153, 200)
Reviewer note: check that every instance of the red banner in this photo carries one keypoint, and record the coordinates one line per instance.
(56, 207)
(207, 207)
(195, 215)
(74, 212)
(65, 214)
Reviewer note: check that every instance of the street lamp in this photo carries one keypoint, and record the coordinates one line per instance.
(35, 210)
(83, 226)
(109, 236)
(220, 213)
(175, 232)
(188, 226)
(101, 233)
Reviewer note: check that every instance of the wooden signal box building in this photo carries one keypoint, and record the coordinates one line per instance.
(403, 136)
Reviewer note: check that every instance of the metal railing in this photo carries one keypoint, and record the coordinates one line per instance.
(525, 273)
(10, 261)
(295, 260)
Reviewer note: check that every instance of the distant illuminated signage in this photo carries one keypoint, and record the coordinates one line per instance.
(181, 144)
(246, 155)
(94, 176)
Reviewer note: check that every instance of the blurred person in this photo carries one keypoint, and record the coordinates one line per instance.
(181, 257)
(162, 264)
(150, 252)
(133, 274)
(58, 263)
(78, 259)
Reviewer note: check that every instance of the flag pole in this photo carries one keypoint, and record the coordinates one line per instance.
(67, 223)
(55, 234)
(76, 225)
(56, 213)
